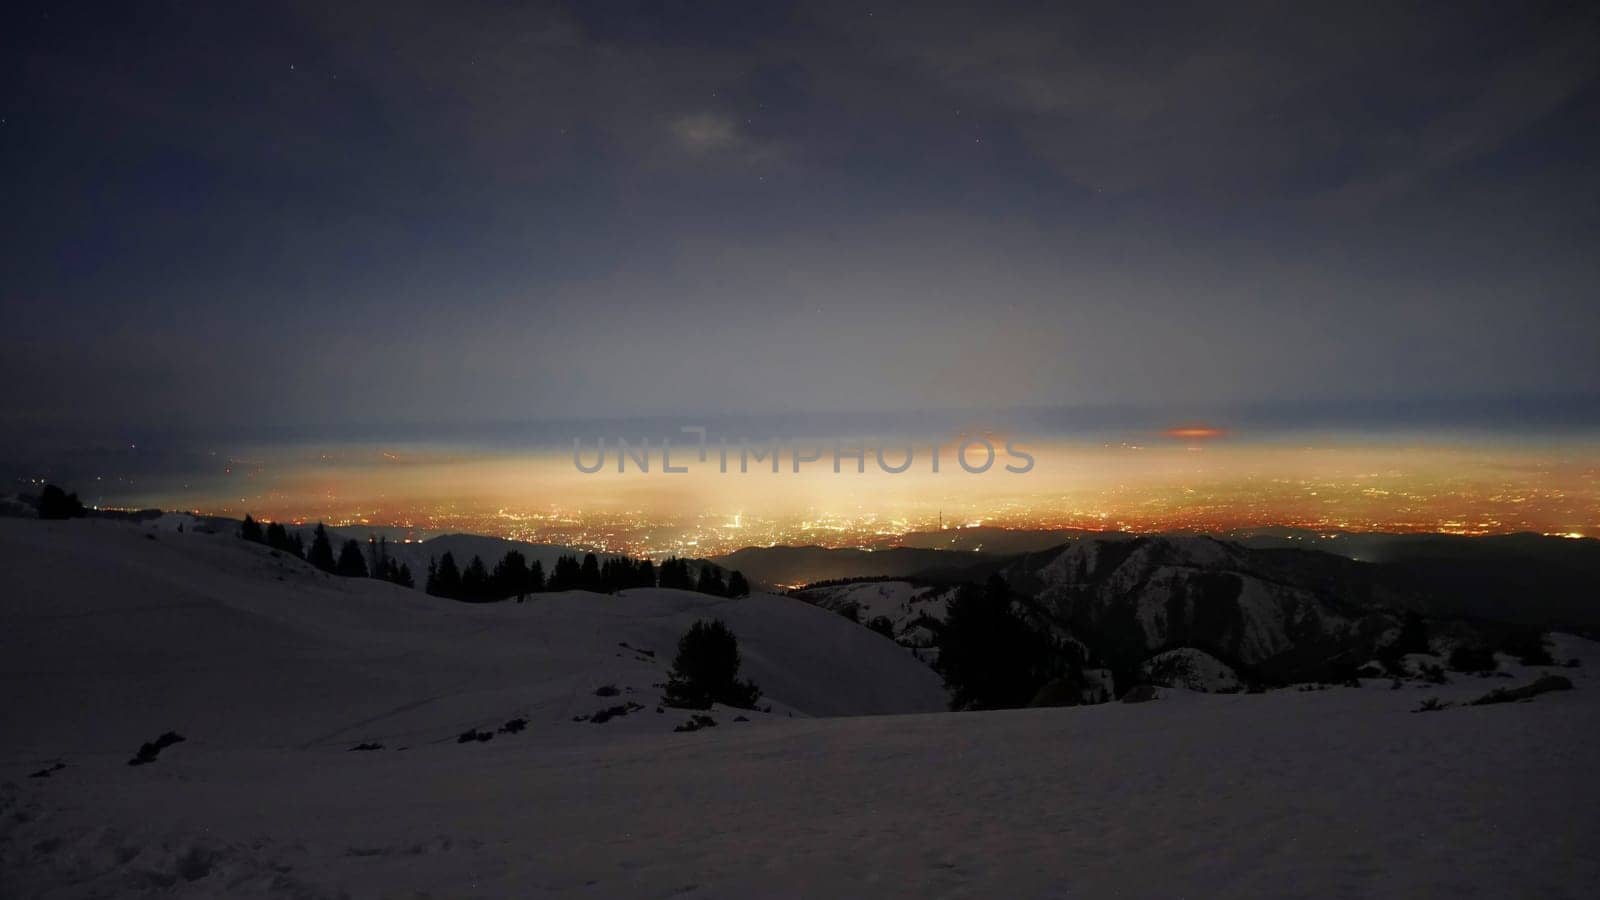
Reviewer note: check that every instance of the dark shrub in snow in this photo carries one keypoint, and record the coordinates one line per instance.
(54, 503)
(1528, 647)
(600, 717)
(1140, 693)
(706, 670)
(1511, 695)
(150, 750)
(1472, 659)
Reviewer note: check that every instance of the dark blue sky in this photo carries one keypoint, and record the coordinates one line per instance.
(294, 215)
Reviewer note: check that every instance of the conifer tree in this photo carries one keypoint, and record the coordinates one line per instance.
(250, 530)
(706, 670)
(710, 581)
(475, 583)
(675, 574)
(589, 575)
(510, 577)
(564, 576)
(351, 563)
(378, 562)
(448, 580)
(990, 657)
(322, 550)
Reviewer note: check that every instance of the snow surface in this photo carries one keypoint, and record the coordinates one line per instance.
(110, 633)
(108, 639)
(903, 603)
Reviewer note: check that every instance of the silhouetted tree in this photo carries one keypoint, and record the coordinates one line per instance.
(378, 562)
(1413, 634)
(536, 577)
(279, 538)
(609, 582)
(54, 503)
(710, 581)
(511, 576)
(322, 550)
(645, 576)
(475, 584)
(445, 581)
(737, 586)
(402, 576)
(675, 574)
(706, 670)
(250, 530)
(565, 575)
(989, 656)
(351, 564)
(589, 575)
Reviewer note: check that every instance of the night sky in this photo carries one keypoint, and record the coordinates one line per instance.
(303, 216)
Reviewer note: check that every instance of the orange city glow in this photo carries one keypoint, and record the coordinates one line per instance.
(1194, 432)
(1464, 489)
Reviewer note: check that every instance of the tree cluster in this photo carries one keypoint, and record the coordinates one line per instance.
(990, 656)
(512, 576)
(617, 573)
(349, 562)
(54, 503)
(274, 535)
(675, 573)
(381, 565)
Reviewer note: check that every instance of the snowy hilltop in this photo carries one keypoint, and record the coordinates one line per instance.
(192, 715)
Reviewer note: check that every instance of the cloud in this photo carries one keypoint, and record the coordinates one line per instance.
(1256, 101)
(721, 137)
(706, 133)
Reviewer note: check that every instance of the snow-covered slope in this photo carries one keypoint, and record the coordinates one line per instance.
(904, 604)
(110, 635)
(1285, 614)
(272, 672)
(1336, 793)
(1191, 669)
